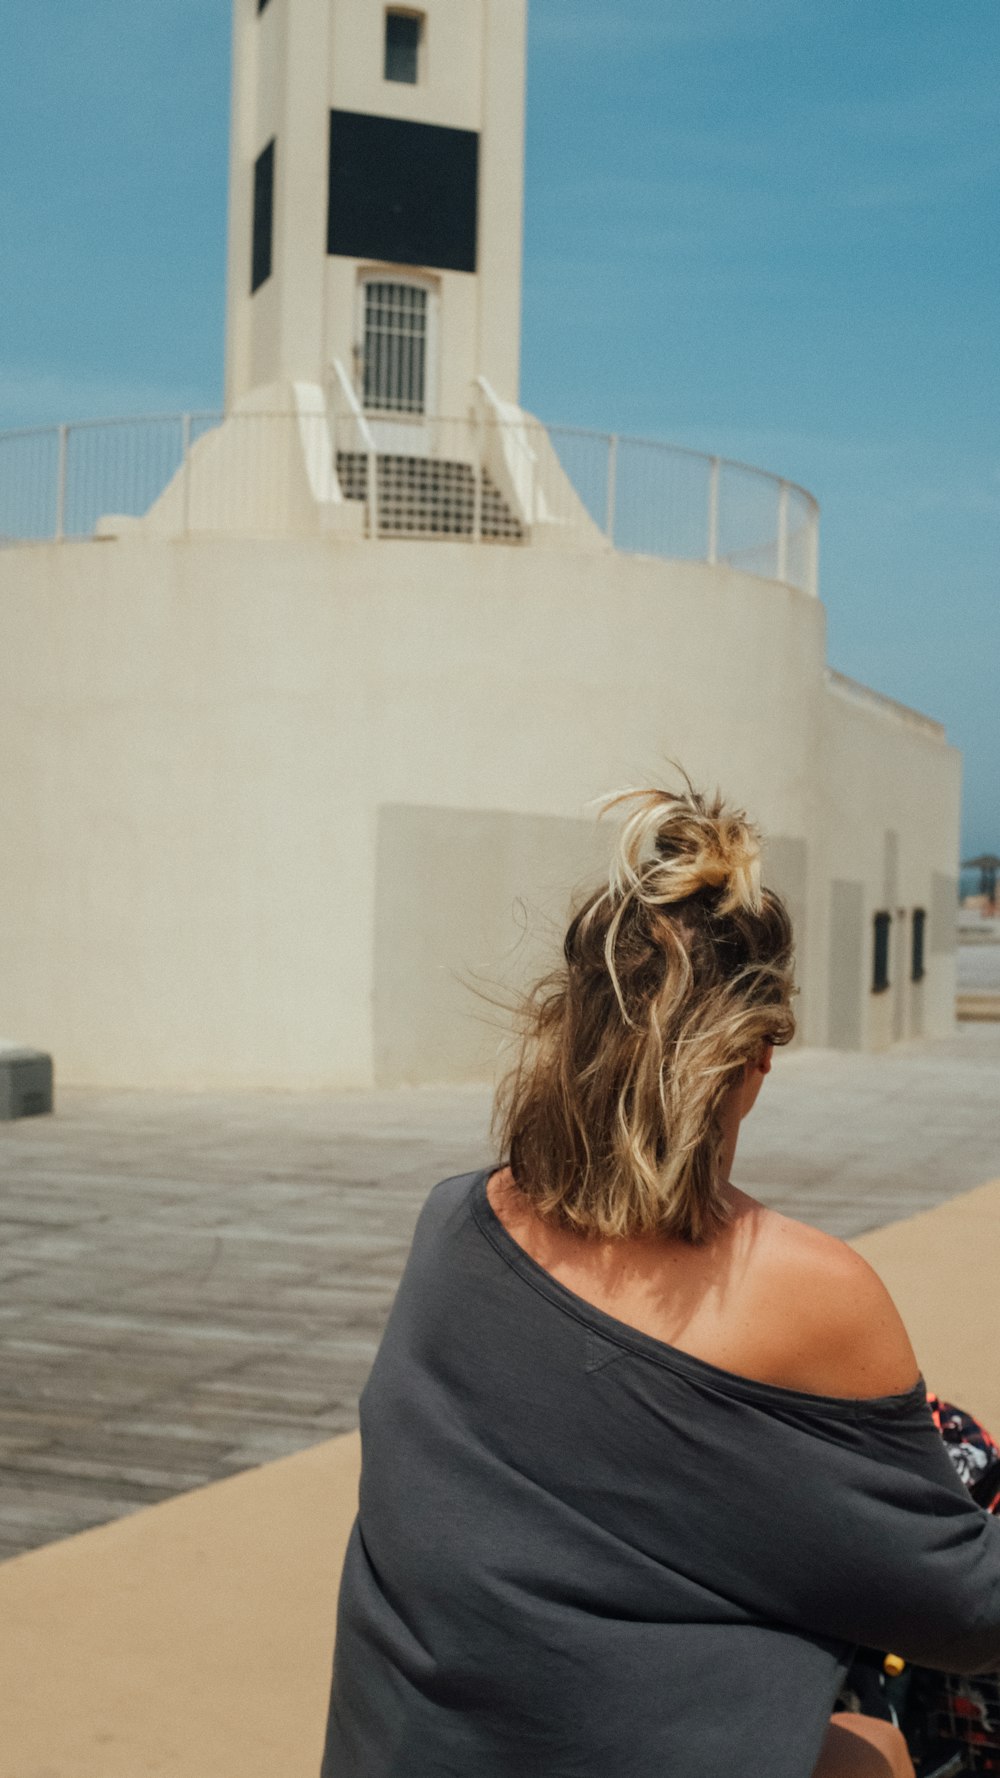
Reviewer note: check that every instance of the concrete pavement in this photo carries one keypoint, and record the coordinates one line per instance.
(193, 1285)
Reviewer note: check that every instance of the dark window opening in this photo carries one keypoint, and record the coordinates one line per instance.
(403, 193)
(880, 972)
(263, 217)
(403, 31)
(261, 5)
(917, 970)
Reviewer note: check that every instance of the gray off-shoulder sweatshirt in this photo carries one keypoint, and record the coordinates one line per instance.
(583, 1553)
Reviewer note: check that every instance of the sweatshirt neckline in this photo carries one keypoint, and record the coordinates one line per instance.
(675, 1358)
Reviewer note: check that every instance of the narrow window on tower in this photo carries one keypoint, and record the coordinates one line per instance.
(880, 970)
(263, 217)
(261, 5)
(403, 34)
(917, 970)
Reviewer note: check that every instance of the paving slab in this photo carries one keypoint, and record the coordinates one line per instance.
(194, 1283)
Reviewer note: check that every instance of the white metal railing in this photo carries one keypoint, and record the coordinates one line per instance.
(351, 431)
(496, 475)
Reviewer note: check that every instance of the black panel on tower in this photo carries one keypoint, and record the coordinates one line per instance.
(263, 217)
(402, 192)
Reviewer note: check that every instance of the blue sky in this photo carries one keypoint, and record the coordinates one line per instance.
(761, 227)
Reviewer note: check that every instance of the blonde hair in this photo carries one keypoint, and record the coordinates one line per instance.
(675, 973)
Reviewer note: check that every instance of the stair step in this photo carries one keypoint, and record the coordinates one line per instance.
(429, 497)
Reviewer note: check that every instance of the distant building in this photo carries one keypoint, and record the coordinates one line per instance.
(301, 703)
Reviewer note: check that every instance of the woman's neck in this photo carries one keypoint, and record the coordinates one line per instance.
(730, 1118)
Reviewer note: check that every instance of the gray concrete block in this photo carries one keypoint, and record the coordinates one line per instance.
(25, 1083)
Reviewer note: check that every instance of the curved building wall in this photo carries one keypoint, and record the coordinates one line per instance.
(269, 806)
(889, 828)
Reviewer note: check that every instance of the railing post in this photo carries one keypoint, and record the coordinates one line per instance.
(712, 553)
(783, 532)
(60, 531)
(186, 474)
(612, 494)
(479, 445)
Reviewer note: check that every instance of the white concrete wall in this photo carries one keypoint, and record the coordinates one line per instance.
(501, 197)
(199, 742)
(888, 818)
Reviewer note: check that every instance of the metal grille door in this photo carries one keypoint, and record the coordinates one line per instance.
(395, 348)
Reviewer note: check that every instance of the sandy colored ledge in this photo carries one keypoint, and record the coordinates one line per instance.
(977, 1006)
(193, 1639)
(190, 1640)
(943, 1269)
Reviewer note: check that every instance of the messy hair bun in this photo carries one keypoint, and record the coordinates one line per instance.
(690, 845)
(675, 973)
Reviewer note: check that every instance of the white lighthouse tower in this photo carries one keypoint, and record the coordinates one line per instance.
(376, 208)
(374, 284)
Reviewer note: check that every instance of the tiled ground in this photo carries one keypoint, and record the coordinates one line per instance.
(190, 1285)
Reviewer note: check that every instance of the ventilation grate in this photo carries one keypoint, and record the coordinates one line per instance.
(429, 497)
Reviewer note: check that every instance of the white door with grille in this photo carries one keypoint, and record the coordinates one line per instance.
(397, 360)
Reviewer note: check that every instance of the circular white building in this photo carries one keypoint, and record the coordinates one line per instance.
(304, 704)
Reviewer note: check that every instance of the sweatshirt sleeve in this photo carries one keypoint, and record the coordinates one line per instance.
(885, 1546)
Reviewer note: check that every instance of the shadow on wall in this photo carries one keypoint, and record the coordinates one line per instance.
(469, 899)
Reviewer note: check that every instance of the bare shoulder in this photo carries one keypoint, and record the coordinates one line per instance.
(832, 1313)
